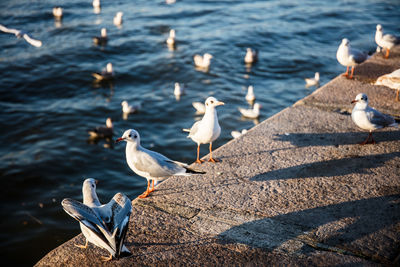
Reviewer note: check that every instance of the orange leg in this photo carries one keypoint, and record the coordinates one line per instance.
(81, 246)
(347, 72)
(198, 160)
(104, 259)
(147, 192)
(152, 187)
(397, 95)
(387, 53)
(352, 72)
(211, 158)
(367, 140)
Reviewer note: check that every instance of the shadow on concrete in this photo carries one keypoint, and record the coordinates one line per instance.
(354, 226)
(335, 139)
(329, 168)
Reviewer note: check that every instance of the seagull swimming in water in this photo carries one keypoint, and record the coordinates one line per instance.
(171, 38)
(387, 41)
(200, 107)
(104, 131)
(368, 118)
(149, 164)
(350, 57)
(250, 96)
(57, 12)
(118, 19)
(202, 62)
(236, 134)
(102, 225)
(207, 130)
(252, 113)
(251, 56)
(312, 81)
(22, 34)
(102, 39)
(106, 74)
(178, 91)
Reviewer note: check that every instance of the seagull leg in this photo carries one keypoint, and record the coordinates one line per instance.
(367, 140)
(147, 192)
(152, 186)
(352, 71)
(81, 246)
(105, 259)
(387, 53)
(397, 95)
(198, 160)
(211, 158)
(347, 72)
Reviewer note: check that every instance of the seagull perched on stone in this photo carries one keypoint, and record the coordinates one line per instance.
(312, 81)
(251, 56)
(387, 41)
(349, 57)
(103, 131)
(105, 74)
(149, 164)
(391, 80)
(22, 34)
(207, 130)
(252, 113)
(202, 62)
(102, 225)
(102, 39)
(118, 18)
(368, 118)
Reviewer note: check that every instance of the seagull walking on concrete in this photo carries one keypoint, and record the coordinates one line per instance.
(391, 80)
(102, 225)
(387, 41)
(312, 81)
(149, 164)
(252, 113)
(103, 131)
(368, 118)
(349, 57)
(207, 130)
(22, 34)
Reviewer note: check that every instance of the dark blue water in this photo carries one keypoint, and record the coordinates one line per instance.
(48, 98)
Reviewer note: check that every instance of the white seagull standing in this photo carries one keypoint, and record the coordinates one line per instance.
(200, 108)
(22, 34)
(349, 57)
(368, 118)
(207, 130)
(202, 62)
(250, 97)
(251, 56)
(391, 80)
(312, 81)
(106, 74)
(150, 164)
(386, 41)
(57, 12)
(252, 113)
(118, 19)
(102, 225)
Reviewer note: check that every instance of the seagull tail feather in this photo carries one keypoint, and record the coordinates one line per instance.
(189, 170)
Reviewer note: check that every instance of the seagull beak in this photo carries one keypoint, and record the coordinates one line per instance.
(354, 101)
(119, 140)
(96, 181)
(219, 103)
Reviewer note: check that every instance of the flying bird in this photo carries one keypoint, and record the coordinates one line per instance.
(22, 34)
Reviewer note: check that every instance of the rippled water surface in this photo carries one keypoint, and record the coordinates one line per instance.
(48, 99)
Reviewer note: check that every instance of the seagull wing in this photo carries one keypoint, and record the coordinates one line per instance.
(358, 56)
(9, 30)
(390, 38)
(379, 119)
(33, 42)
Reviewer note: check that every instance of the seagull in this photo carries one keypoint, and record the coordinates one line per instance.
(170, 2)
(102, 131)
(251, 56)
(202, 62)
(386, 41)
(106, 74)
(200, 108)
(391, 80)
(171, 38)
(126, 109)
(102, 225)
(150, 164)
(178, 91)
(22, 34)
(207, 130)
(349, 57)
(96, 3)
(253, 113)
(103, 39)
(312, 81)
(118, 19)
(236, 134)
(250, 97)
(368, 118)
(57, 12)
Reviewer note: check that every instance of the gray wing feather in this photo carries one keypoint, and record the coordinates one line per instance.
(379, 119)
(390, 38)
(194, 128)
(155, 164)
(358, 56)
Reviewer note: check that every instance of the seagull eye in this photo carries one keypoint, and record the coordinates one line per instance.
(130, 135)
(93, 185)
(212, 101)
(135, 136)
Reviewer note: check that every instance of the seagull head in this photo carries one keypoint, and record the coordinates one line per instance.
(119, 14)
(109, 67)
(256, 106)
(212, 102)
(130, 135)
(172, 33)
(207, 55)
(124, 103)
(89, 191)
(345, 42)
(361, 98)
(379, 27)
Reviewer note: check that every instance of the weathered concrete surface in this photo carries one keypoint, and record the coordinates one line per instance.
(295, 190)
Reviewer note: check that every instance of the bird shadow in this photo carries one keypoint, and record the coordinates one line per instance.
(341, 226)
(329, 168)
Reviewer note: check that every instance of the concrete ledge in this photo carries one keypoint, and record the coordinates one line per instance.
(297, 190)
